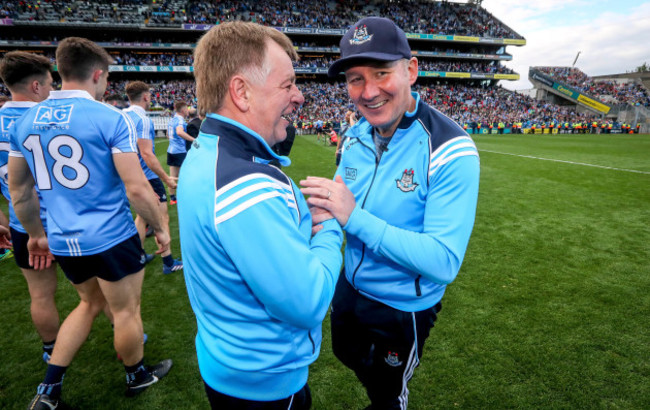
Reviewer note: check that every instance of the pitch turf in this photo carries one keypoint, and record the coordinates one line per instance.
(550, 309)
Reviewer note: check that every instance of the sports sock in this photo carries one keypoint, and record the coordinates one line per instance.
(168, 260)
(48, 347)
(136, 373)
(172, 197)
(53, 381)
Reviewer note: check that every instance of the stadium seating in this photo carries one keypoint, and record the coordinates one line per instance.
(607, 91)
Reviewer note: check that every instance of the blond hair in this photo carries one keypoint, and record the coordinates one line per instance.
(229, 49)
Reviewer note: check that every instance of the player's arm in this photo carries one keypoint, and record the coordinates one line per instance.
(141, 195)
(24, 197)
(146, 151)
(181, 133)
(27, 208)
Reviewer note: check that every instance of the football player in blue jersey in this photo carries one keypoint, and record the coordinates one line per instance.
(29, 79)
(82, 156)
(139, 96)
(405, 192)
(177, 134)
(259, 283)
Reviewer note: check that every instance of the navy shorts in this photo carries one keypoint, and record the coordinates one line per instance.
(21, 254)
(159, 189)
(123, 259)
(176, 160)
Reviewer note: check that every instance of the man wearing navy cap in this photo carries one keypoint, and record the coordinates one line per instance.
(405, 192)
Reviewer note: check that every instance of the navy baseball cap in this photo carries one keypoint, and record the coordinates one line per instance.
(371, 38)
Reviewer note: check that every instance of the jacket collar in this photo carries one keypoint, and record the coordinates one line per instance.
(251, 142)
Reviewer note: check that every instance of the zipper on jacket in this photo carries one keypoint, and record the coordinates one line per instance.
(418, 291)
(363, 248)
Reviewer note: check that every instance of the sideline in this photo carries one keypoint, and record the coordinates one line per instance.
(567, 162)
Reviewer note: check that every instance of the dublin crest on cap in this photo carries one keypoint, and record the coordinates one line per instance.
(371, 38)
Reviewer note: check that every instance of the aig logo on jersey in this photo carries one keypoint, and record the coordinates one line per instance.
(406, 184)
(53, 115)
(8, 122)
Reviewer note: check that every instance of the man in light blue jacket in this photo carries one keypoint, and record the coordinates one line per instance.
(259, 282)
(405, 192)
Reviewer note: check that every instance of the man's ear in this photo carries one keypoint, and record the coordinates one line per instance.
(96, 75)
(239, 92)
(413, 70)
(34, 87)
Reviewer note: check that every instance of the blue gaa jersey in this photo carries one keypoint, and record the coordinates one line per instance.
(407, 235)
(144, 130)
(68, 142)
(176, 143)
(9, 113)
(259, 283)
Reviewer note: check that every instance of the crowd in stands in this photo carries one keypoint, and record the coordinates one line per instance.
(464, 104)
(163, 93)
(328, 102)
(443, 18)
(417, 16)
(186, 59)
(463, 67)
(156, 59)
(72, 11)
(607, 91)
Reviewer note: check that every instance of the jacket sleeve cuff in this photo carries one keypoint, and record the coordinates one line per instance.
(365, 226)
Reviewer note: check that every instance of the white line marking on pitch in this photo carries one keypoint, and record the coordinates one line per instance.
(568, 162)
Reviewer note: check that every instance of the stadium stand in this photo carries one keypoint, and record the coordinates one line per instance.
(440, 17)
(607, 91)
(460, 47)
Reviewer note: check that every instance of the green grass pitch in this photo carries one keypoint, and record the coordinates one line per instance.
(550, 308)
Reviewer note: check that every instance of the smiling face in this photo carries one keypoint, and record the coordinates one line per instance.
(381, 91)
(274, 98)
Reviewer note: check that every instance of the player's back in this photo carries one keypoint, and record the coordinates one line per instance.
(68, 141)
(9, 113)
(176, 142)
(144, 129)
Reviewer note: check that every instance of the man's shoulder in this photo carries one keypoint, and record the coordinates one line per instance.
(246, 184)
(233, 170)
(438, 126)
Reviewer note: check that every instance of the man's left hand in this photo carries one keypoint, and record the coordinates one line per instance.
(334, 196)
